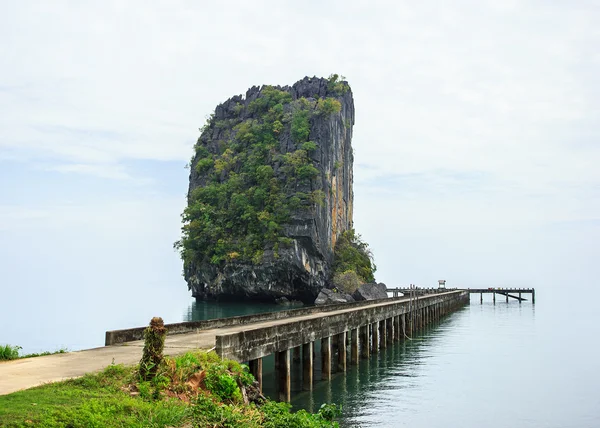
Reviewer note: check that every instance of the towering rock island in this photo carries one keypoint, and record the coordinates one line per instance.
(270, 193)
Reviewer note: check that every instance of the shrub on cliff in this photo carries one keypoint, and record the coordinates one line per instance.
(353, 255)
(347, 281)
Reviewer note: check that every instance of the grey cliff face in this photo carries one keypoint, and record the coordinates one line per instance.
(298, 271)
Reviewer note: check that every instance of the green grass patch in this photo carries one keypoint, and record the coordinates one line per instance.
(116, 397)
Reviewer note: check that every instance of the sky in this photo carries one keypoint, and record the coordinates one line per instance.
(476, 141)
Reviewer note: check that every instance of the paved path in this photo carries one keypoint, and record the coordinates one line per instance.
(29, 372)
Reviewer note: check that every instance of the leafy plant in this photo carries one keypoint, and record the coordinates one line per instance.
(337, 85)
(154, 342)
(353, 255)
(327, 106)
(9, 352)
(222, 383)
(347, 281)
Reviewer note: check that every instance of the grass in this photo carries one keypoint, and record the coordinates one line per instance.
(116, 397)
(10, 352)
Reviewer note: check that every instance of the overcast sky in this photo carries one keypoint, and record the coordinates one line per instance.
(476, 137)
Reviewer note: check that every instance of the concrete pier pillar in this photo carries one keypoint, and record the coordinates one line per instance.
(520, 297)
(403, 326)
(297, 354)
(307, 366)
(383, 334)
(364, 341)
(533, 296)
(326, 358)
(375, 337)
(507, 297)
(397, 332)
(341, 360)
(390, 330)
(256, 371)
(494, 294)
(283, 376)
(354, 347)
(481, 298)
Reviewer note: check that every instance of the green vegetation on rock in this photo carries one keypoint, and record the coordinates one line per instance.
(196, 389)
(353, 262)
(250, 187)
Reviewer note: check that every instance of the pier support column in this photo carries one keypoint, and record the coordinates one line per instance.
(397, 333)
(533, 296)
(375, 337)
(341, 360)
(296, 355)
(354, 347)
(255, 367)
(494, 298)
(520, 298)
(364, 341)
(389, 330)
(307, 366)
(383, 334)
(283, 375)
(481, 298)
(326, 358)
(507, 297)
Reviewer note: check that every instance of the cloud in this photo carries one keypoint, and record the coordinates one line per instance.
(470, 112)
(113, 172)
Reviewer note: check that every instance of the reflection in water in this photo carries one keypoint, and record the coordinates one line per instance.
(207, 310)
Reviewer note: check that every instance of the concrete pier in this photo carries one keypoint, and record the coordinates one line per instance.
(283, 376)
(364, 341)
(307, 366)
(341, 361)
(354, 346)
(369, 327)
(326, 358)
(375, 337)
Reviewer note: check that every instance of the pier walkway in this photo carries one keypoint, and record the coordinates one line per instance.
(513, 293)
(247, 338)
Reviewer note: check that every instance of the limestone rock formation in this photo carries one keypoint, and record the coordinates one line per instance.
(270, 192)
